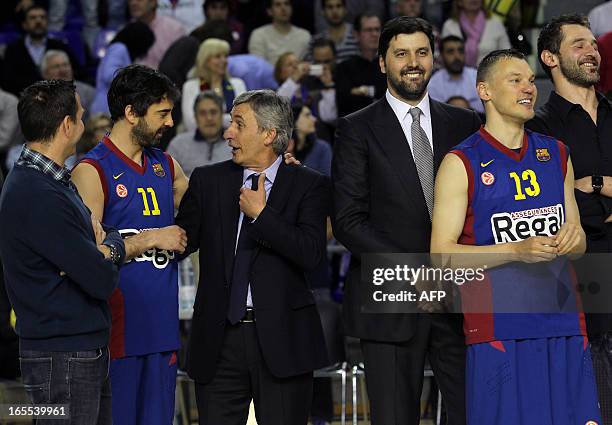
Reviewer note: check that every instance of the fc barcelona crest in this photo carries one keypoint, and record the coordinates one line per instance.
(542, 155)
(159, 170)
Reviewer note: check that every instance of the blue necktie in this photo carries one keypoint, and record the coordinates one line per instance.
(242, 266)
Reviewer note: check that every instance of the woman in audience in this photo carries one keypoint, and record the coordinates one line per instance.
(211, 74)
(481, 31)
(131, 43)
(305, 145)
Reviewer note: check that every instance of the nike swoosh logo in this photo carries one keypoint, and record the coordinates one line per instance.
(482, 164)
(118, 175)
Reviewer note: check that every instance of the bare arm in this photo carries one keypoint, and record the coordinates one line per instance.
(180, 184)
(571, 236)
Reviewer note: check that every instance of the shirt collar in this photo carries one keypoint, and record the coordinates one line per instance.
(35, 159)
(28, 42)
(401, 108)
(270, 172)
(564, 106)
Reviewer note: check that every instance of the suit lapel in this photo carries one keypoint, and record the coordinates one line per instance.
(229, 212)
(281, 190)
(390, 135)
(440, 123)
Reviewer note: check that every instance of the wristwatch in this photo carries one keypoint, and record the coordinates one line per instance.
(597, 183)
(114, 253)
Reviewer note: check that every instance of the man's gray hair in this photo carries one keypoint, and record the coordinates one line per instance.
(272, 112)
(48, 55)
(208, 95)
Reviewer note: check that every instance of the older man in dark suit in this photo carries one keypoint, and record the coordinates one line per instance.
(259, 224)
(383, 171)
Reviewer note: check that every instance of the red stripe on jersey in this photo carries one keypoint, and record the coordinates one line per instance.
(103, 182)
(478, 296)
(563, 151)
(117, 340)
(140, 169)
(467, 234)
(503, 149)
(171, 164)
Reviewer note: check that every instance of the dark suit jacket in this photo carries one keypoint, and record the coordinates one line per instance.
(379, 205)
(290, 233)
(20, 70)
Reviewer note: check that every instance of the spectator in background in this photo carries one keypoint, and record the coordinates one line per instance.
(482, 31)
(22, 58)
(96, 128)
(309, 86)
(272, 40)
(56, 65)
(358, 79)
(206, 144)
(9, 123)
(600, 19)
(9, 342)
(218, 10)
(189, 13)
(354, 8)
(89, 9)
(339, 31)
(211, 74)
(304, 144)
(181, 55)
(455, 79)
(167, 30)
(131, 43)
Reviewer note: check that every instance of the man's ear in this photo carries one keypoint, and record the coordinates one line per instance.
(130, 114)
(483, 91)
(549, 58)
(66, 126)
(381, 63)
(270, 137)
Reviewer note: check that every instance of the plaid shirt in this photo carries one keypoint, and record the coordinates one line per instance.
(33, 159)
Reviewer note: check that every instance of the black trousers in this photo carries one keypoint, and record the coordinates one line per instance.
(394, 372)
(242, 375)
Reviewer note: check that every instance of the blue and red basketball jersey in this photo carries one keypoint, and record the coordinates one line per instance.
(136, 198)
(511, 197)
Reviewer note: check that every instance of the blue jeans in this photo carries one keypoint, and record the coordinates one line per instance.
(79, 379)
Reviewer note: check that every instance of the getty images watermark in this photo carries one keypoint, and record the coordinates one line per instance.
(465, 283)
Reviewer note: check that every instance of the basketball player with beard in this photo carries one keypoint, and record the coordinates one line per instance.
(128, 183)
(385, 158)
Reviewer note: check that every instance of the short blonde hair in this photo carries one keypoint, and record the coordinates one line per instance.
(208, 48)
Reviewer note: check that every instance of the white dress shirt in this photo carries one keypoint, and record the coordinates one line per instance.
(402, 113)
(270, 173)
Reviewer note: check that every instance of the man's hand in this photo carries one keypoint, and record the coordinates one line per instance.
(300, 70)
(252, 202)
(584, 184)
(568, 238)
(326, 77)
(536, 249)
(98, 230)
(170, 238)
(290, 159)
